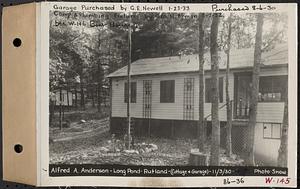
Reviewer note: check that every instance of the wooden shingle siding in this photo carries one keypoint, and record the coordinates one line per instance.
(267, 112)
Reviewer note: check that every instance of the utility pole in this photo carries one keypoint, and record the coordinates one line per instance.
(128, 84)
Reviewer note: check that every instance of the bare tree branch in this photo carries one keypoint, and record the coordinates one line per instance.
(269, 43)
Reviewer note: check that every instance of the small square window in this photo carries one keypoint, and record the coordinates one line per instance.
(271, 130)
(267, 130)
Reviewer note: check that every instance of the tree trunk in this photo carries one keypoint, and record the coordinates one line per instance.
(82, 101)
(60, 109)
(99, 72)
(283, 149)
(172, 31)
(215, 144)
(93, 96)
(76, 97)
(198, 159)
(201, 133)
(51, 110)
(254, 91)
(63, 113)
(99, 87)
(228, 102)
(98, 97)
(68, 98)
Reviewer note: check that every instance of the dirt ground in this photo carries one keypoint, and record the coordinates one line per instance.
(91, 143)
(84, 144)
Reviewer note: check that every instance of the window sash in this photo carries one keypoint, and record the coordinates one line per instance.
(272, 130)
(167, 91)
(132, 92)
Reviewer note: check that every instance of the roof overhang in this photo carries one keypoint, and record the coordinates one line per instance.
(249, 68)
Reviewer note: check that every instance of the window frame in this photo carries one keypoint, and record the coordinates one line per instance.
(165, 96)
(272, 125)
(282, 93)
(133, 91)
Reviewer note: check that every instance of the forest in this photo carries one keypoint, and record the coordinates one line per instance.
(86, 47)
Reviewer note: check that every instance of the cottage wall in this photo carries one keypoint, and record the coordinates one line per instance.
(267, 112)
(266, 146)
(159, 110)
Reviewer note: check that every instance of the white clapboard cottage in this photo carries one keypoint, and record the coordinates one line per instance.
(164, 97)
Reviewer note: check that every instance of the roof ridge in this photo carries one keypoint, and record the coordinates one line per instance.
(165, 57)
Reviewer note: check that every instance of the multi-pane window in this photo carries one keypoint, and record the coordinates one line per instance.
(271, 130)
(209, 92)
(272, 88)
(132, 92)
(167, 91)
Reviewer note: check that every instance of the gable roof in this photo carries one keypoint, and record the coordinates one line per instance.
(239, 58)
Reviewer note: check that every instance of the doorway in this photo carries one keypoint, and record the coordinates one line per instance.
(242, 90)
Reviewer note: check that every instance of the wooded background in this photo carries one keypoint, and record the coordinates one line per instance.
(81, 56)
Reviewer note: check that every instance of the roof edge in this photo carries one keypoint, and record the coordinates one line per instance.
(240, 68)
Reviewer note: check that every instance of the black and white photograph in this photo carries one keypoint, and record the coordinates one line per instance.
(168, 89)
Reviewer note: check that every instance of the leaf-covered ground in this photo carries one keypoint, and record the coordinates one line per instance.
(91, 143)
